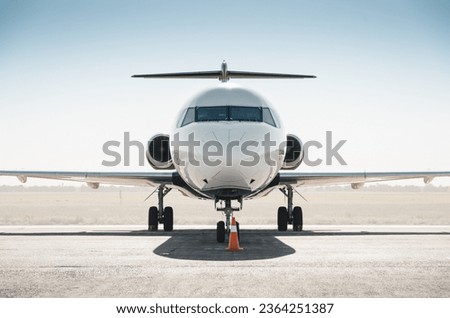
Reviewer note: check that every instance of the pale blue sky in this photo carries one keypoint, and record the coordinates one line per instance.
(383, 72)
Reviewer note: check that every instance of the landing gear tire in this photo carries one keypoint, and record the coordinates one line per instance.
(238, 232)
(153, 219)
(282, 218)
(297, 219)
(168, 219)
(221, 231)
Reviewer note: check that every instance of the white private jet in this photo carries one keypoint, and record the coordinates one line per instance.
(228, 144)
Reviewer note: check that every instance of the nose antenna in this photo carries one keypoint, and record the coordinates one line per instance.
(224, 75)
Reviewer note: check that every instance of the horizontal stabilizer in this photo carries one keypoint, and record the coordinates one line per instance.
(223, 74)
(207, 74)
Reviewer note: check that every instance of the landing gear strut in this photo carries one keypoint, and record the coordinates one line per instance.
(224, 227)
(161, 214)
(290, 214)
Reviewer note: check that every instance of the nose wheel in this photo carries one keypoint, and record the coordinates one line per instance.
(221, 232)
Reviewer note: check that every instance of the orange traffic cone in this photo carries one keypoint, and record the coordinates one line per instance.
(233, 244)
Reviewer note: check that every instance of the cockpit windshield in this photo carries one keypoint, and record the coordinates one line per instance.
(228, 113)
(212, 113)
(245, 113)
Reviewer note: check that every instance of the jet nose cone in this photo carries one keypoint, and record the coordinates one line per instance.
(229, 176)
(231, 156)
(235, 158)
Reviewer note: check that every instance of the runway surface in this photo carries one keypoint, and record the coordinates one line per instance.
(322, 261)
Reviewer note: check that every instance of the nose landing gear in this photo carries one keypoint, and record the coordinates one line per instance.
(224, 227)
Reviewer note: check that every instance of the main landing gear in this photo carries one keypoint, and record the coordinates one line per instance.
(290, 214)
(161, 214)
(286, 215)
(223, 228)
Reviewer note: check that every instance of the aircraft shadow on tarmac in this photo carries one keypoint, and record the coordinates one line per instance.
(200, 244)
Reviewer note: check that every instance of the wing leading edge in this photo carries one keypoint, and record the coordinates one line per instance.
(168, 179)
(355, 179)
(151, 179)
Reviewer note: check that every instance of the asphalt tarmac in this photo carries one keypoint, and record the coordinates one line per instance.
(321, 261)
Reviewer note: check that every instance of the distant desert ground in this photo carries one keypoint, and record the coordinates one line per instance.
(121, 205)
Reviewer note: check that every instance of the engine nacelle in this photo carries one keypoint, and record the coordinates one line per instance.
(294, 153)
(158, 152)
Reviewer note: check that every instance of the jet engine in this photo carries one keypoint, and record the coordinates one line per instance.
(158, 152)
(294, 153)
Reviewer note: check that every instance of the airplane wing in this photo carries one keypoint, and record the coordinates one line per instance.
(355, 179)
(171, 179)
(94, 179)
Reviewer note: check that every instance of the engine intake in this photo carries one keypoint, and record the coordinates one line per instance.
(158, 152)
(294, 153)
